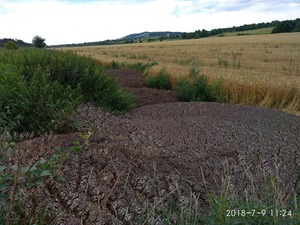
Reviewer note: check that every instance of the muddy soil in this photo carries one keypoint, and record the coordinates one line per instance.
(134, 82)
(164, 151)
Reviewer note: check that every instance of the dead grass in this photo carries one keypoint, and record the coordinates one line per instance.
(259, 70)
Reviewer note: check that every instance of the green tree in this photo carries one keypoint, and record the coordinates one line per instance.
(11, 45)
(38, 41)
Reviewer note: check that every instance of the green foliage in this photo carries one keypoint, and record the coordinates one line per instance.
(287, 26)
(20, 183)
(38, 41)
(104, 91)
(216, 90)
(221, 32)
(162, 81)
(41, 88)
(11, 45)
(114, 65)
(193, 88)
(141, 66)
(38, 105)
(183, 90)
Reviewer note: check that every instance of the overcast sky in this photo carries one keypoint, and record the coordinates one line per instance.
(77, 21)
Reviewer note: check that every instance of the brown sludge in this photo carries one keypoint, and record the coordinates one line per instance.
(164, 150)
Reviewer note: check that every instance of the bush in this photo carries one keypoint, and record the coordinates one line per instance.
(41, 88)
(193, 88)
(38, 106)
(162, 81)
(11, 45)
(183, 90)
(105, 92)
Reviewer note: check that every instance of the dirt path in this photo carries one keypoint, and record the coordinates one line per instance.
(165, 151)
(134, 81)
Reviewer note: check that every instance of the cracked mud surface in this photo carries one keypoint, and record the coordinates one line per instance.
(165, 150)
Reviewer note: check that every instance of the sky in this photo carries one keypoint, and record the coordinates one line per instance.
(78, 21)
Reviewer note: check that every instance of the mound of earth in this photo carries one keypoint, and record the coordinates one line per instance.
(164, 151)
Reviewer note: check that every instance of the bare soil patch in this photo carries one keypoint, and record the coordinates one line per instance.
(134, 81)
(164, 150)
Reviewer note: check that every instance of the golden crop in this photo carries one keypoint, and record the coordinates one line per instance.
(256, 69)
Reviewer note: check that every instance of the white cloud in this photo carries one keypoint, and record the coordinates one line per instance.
(83, 21)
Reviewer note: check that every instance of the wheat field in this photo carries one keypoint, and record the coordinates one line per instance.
(259, 70)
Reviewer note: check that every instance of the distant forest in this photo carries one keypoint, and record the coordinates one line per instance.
(279, 27)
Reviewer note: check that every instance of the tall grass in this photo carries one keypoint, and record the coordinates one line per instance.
(41, 88)
(261, 203)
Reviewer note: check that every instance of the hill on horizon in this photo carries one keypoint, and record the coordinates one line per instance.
(20, 43)
(147, 34)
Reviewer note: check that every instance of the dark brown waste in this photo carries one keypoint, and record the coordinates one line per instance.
(165, 150)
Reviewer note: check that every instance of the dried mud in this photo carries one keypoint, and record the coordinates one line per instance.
(162, 151)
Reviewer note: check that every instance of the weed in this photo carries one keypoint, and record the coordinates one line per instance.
(38, 105)
(186, 62)
(19, 184)
(161, 81)
(142, 67)
(41, 88)
(263, 204)
(193, 88)
(114, 65)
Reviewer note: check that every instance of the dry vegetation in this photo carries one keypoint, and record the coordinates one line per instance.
(259, 70)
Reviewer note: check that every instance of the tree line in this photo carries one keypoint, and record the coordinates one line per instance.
(279, 27)
(14, 44)
(287, 26)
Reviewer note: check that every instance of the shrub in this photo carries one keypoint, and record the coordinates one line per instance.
(183, 90)
(162, 81)
(216, 89)
(201, 89)
(41, 88)
(11, 45)
(105, 92)
(193, 88)
(38, 106)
